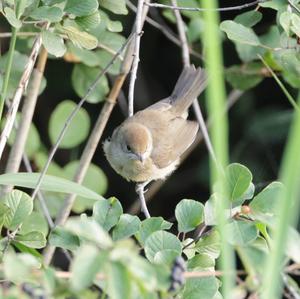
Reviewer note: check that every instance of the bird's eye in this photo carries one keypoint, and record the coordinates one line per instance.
(128, 148)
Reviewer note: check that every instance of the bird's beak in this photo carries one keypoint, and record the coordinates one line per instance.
(141, 158)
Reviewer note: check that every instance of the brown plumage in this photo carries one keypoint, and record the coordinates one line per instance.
(148, 145)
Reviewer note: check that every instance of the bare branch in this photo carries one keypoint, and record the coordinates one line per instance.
(136, 58)
(175, 7)
(12, 111)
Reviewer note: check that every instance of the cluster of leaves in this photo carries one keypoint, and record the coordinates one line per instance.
(125, 257)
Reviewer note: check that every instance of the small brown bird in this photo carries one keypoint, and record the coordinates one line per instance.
(148, 145)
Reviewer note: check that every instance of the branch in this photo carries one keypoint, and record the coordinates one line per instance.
(233, 97)
(12, 111)
(175, 7)
(17, 150)
(92, 143)
(136, 58)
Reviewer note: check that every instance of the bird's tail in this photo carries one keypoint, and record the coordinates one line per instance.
(189, 85)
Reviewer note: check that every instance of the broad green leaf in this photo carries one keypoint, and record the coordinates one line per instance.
(244, 77)
(113, 26)
(78, 129)
(83, 77)
(248, 194)
(241, 233)
(25, 249)
(209, 245)
(201, 262)
(81, 8)
(293, 245)
(11, 18)
(296, 24)
(34, 239)
(49, 183)
(162, 246)
(239, 179)
(90, 21)
(107, 212)
(151, 225)
(285, 20)
(204, 288)
(249, 18)
(104, 57)
(239, 33)
(127, 226)
(51, 14)
(20, 207)
(274, 4)
(109, 39)
(4, 209)
(52, 2)
(189, 214)
(119, 282)
(18, 267)
(115, 6)
(95, 180)
(79, 38)
(265, 202)
(89, 230)
(53, 43)
(34, 222)
(60, 237)
(86, 265)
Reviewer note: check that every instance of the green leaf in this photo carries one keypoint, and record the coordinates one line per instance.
(239, 179)
(4, 210)
(81, 8)
(89, 230)
(267, 200)
(34, 239)
(204, 288)
(49, 183)
(11, 18)
(53, 43)
(249, 18)
(244, 77)
(201, 262)
(248, 194)
(293, 245)
(115, 6)
(95, 179)
(162, 247)
(79, 38)
(104, 57)
(296, 24)
(51, 14)
(239, 33)
(274, 4)
(20, 207)
(151, 225)
(89, 22)
(34, 222)
(119, 282)
(18, 267)
(189, 214)
(127, 226)
(78, 129)
(107, 212)
(86, 265)
(209, 245)
(60, 237)
(241, 233)
(285, 20)
(113, 26)
(83, 77)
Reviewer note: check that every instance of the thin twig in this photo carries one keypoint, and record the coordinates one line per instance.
(175, 7)
(92, 144)
(9, 34)
(71, 116)
(140, 190)
(16, 152)
(187, 62)
(294, 6)
(12, 112)
(138, 33)
(233, 97)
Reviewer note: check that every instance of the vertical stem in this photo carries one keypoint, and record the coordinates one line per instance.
(219, 132)
(288, 209)
(11, 51)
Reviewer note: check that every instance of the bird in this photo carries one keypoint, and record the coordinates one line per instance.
(148, 145)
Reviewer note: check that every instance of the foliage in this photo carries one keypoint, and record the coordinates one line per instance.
(115, 254)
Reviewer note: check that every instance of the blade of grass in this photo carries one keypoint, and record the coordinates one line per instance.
(288, 210)
(219, 132)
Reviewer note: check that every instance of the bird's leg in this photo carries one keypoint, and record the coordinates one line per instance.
(140, 190)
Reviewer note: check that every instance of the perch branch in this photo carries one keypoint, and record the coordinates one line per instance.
(237, 7)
